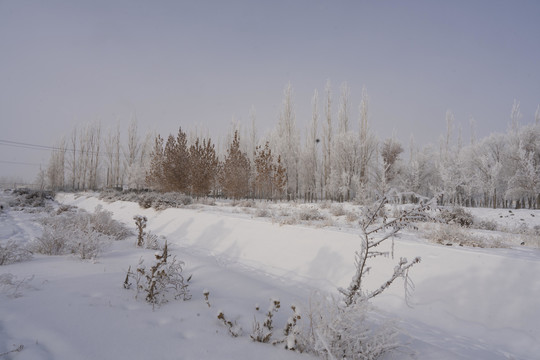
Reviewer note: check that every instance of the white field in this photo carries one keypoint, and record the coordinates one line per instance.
(469, 303)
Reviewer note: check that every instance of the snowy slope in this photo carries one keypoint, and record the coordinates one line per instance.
(468, 303)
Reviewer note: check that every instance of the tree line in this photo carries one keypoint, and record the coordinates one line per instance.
(336, 161)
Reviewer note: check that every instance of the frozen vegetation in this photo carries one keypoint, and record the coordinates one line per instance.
(256, 279)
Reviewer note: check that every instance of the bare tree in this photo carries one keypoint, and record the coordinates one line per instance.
(308, 168)
(112, 156)
(368, 144)
(327, 140)
(288, 141)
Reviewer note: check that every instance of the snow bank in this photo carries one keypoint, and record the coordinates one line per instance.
(480, 303)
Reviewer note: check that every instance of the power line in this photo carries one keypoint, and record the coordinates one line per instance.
(25, 145)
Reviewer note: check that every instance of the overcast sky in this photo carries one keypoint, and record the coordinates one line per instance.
(203, 63)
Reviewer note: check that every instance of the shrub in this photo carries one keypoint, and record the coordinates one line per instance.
(452, 234)
(79, 233)
(263, 212)
(263, 332)
(103, 223)
(343, 332)
(12, 252)
(337, 210)
(25, 198)
(165, 277)
(351, 216)
(456, 215)
(486, 225)
(10, 285)
(310, 214)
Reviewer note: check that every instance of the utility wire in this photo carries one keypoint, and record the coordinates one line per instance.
(54, 148)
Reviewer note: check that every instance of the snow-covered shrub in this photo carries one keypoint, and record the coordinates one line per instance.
(310, 214)
(234, 329)
(164, 201)
(293, 333)
(263, 212)
(246, 203)
(12, 252)
(145, 239)
(452, 234)
(263, 332)
(151, 241)
(485, 225)
(456, 215)
(161, 281)
(148, 199)
(335, 331)
(325, 205)
(11, 286)
(79, 233)
(103, 223)
(140, 223)
(351, 216)
(337, 210)
(26, 198)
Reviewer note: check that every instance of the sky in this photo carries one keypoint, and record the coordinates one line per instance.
(205, 64)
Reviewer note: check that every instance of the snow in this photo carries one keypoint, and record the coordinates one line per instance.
(468, 303)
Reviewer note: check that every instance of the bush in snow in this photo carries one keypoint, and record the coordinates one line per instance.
(310, 214)
(263, 212)
(160, 281)
(103, 223)
(234, 329)
(12, 252)
(263, 332)
(79, 233)
(335, 331)
(148, 199)
(25, 198)
(351, 216)
(486, 225)
(452, 234)
(456, 215)
(337, 210)
(10, 285)
(140, 223)
(145, 239)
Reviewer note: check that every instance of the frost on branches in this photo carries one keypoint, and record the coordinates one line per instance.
(375, 222)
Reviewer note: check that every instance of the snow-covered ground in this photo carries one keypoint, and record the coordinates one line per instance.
(469, 303)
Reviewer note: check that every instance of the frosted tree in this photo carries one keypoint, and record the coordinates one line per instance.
(55, 169)
(112, 157)
(515, 117)
(327, 137)
(346, 150)
(308, 168)
(368, 143)
(524, 185)
(155, 177)
(390, 152)
(287, 141)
